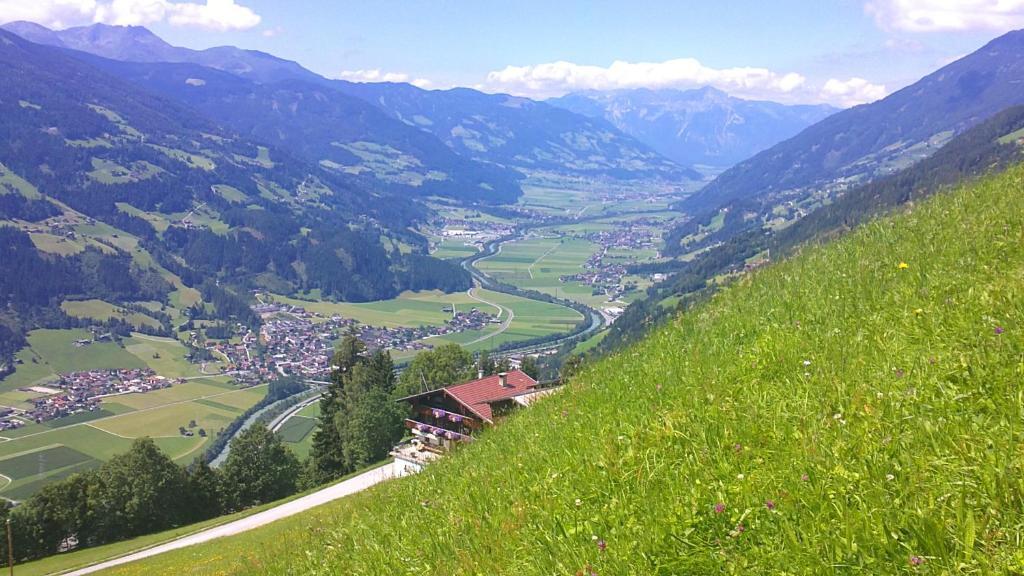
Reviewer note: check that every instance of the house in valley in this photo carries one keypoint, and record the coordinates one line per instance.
(442, 418)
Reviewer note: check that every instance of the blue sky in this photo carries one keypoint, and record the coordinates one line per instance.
(838, 51)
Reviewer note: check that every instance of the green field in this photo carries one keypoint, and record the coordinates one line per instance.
(410, 309)
(51, 352)
(109, 431)
(296, 429)
(452, 248)
(41, 461)
(854, 410)
(210, 401)
(12, 183)
(537, 263)
(100, 310)
(532, 319)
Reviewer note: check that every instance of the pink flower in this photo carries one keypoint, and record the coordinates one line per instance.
(602, 545)
(719, 508)
(804, 477)
(738, 447)
(916, 560)
(999, 330)
(769, 504)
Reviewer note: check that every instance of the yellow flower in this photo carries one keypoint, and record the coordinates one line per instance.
(919, 311)
(903, 266)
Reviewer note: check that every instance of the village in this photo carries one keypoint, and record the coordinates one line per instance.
(295, 341)
(76, 392)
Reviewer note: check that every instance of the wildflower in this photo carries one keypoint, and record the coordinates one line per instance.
(900, 372)
(602, 545)
(579, 502)
(916, 560)
(804, 477)
(658, 387)
(740, 476)
(769, 504)
(741, 528)
(890, 477)
(837, 416)
(999, 330)
(919, 311)
(738, 447)
(903, 266)
(807, 362)
(719, 508)
(879, 395)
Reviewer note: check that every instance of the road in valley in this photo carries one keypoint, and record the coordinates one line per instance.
(318, 498)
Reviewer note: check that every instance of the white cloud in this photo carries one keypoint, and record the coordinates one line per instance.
(213, 14)
(50, 13)
(555, 78)
(851, 92)
(946, 15)
(374, 75)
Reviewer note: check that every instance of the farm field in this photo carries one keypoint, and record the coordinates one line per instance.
(51, 352)
(453, 248)
(102, 311)
(537, 263)
(409, 310)
(110, 431)
(532, 319)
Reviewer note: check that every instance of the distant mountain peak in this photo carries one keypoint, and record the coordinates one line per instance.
(700, 126)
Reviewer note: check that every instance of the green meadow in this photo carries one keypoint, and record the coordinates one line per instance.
(855, 410)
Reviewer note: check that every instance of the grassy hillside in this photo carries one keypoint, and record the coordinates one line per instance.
(854, 410)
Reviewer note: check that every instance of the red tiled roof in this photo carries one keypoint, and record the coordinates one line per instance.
(478, 394)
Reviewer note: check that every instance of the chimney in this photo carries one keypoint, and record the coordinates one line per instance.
(480, 374)
(503, 379)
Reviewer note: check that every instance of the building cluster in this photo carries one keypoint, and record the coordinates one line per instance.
(76, 392)
(294, 341)
(61, 226)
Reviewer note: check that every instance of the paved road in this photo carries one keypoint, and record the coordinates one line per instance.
(340, 490)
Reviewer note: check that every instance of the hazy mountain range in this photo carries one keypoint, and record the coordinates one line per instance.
(880, 138)
(512, 132)
(696, 127)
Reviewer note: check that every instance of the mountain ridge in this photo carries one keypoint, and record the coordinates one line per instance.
(702, 126)
(870, 140)
(476, 125)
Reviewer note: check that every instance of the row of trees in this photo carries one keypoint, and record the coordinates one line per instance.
(359, 419)
(143, 491)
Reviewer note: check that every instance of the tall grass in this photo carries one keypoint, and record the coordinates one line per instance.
(856, 410)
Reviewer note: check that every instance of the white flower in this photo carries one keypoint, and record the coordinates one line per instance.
(579, 503)
(740, 476)
(837, 416)
(890, 477)
(807, 362)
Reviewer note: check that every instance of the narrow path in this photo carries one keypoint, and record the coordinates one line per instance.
(329, 494)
